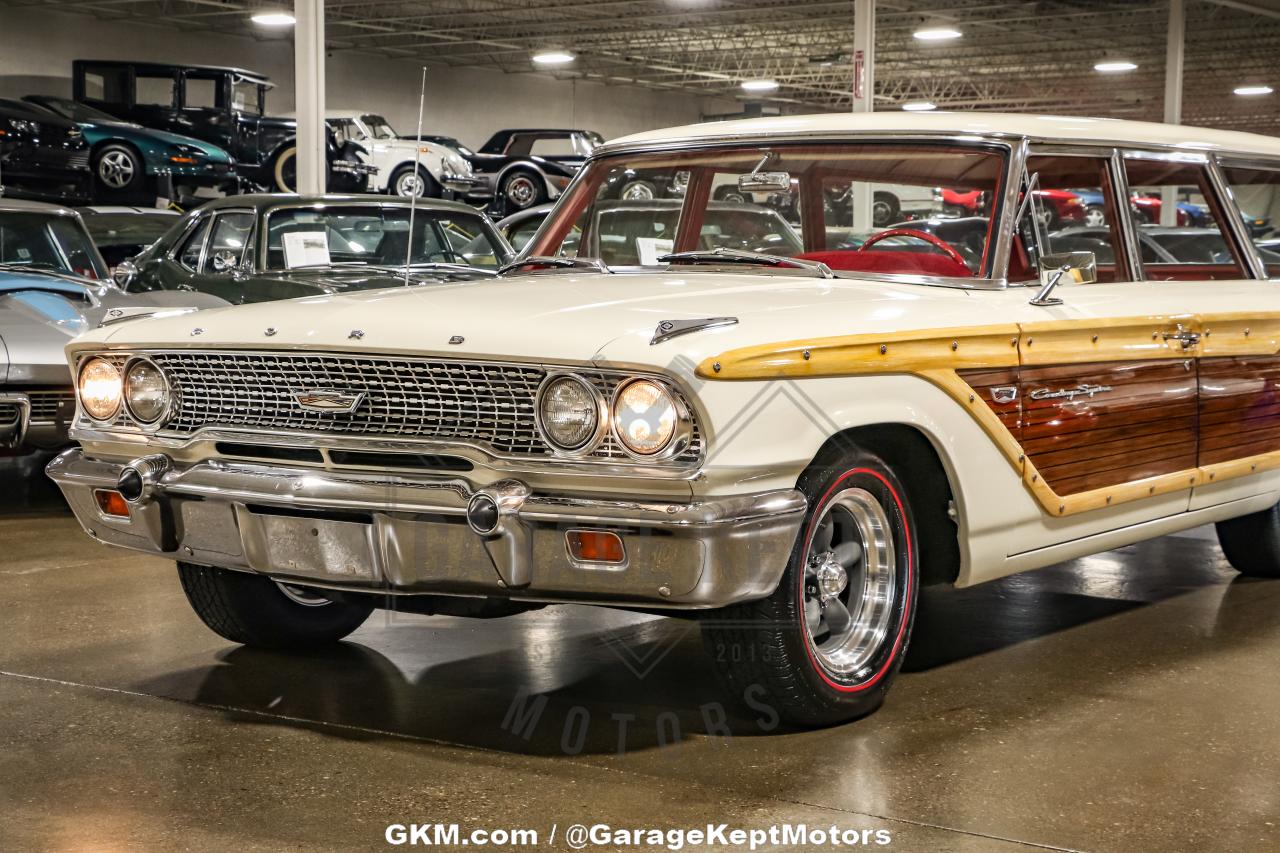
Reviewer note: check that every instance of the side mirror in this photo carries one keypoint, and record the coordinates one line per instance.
(125, 274)
(765, 182)
(1079, 267)
(224, 261)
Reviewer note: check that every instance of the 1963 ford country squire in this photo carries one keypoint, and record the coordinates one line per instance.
(788, 429)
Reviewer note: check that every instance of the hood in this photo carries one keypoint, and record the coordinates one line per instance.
(40, 315)
(565, 317)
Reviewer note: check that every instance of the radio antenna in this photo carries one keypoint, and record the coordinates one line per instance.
(418, 183)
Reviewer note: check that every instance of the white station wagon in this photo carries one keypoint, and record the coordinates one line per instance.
(786, 428)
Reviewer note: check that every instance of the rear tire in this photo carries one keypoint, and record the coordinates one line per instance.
(284, 171)
(1251, 543)
(254, 611)
(885, 209)
(523, 189)
(826, 645)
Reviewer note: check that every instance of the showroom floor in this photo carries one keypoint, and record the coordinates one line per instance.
(1121, 702)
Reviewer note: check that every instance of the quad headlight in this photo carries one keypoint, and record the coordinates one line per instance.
(100, 388)
(146, 391)
(646, 417)
(570, 413)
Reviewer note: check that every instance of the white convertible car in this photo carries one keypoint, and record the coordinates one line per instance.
(409, 167)
(784, 424)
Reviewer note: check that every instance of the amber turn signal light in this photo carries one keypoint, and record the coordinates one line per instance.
(595, 546)
(111, 503)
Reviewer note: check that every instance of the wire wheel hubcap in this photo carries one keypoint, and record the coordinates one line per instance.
(850, 582)
(521, 191)
(115, 169)
(637, 191)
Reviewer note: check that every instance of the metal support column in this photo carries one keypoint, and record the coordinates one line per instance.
(864, 90)
(1176, 42)
(308, 66)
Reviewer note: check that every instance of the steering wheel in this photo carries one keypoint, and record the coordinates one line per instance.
(932, 239)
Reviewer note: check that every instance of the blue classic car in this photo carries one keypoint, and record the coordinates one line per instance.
(128, 158)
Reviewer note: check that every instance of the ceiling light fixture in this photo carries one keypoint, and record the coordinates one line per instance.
(937, 31)
(553, 57)
(760, 85)
(273, 19)
(919, 106)
(1248, 91)
(1115, 66)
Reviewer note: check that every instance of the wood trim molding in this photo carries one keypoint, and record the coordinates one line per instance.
(936, 354)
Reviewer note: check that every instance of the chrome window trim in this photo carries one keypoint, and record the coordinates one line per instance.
(192, 226)
(1235, 226)
(1257, 163)
(1128, 228)
(115, 430)
(213, 224)
(1011, 146)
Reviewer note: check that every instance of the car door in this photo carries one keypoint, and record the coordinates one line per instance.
(1107, 392)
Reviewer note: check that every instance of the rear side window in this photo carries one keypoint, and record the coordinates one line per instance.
(1186, 243)
(106, 84)
(1076, 212)
(153, 91)
(201, 93)
(1257, 197)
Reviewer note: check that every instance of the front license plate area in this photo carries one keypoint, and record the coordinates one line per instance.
(309, 547)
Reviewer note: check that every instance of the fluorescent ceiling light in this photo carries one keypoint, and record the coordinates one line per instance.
(553, 57)
(1115, 66)
(760, 85)
(919, 106)
(937, 32)
(1253, 90)
(273, 19)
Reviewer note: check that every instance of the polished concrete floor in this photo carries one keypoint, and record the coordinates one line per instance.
(1124, 702)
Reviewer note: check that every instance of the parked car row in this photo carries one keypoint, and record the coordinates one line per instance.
(134, 131)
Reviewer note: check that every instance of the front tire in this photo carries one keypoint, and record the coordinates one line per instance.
(523, 190)
(284, 170)
(406, 184)
(256, 611)
(826, 645)
(1251, 543)
(118, 170)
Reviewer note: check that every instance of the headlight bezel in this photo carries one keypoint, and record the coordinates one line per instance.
(602, 427)
(166, 409)
(682, 428)
(80, 395)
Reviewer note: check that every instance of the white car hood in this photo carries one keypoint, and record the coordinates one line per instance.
(565, 317)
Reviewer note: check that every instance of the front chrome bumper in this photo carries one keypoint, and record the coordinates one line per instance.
(410, 534)
(471, 186)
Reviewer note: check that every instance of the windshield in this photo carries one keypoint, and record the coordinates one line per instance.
(915, 209)
(75, 111)
(48, 242)
(377, 235)
(379, 127)
(134, 229)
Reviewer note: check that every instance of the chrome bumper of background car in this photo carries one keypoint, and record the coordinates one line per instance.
(15, 414)
(353, 168)
(413, 534)
(464, 185)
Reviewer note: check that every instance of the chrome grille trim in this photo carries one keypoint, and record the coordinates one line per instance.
(484, 404)
(47, 405)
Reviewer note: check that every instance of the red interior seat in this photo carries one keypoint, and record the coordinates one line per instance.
(889, 261)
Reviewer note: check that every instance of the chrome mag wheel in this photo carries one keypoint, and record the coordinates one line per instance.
(116, 169)
(849, 583)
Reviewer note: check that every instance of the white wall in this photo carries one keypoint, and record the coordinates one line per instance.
(36, 49)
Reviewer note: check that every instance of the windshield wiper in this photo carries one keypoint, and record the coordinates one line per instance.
(723, 255)
(548, 261)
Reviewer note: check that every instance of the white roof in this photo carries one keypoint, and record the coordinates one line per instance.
(1108, 131)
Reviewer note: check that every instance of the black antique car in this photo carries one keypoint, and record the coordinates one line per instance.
(222, 106)
(529, 166)
(257, 248)
(41, 155)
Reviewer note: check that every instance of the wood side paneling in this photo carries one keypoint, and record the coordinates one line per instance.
(1239, 408)
(992, 384)
(1089, 426)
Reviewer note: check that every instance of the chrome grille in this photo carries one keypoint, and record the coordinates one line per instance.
(48, 406)
(479, 403)
(10, 416)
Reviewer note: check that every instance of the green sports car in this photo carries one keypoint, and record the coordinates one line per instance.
(129, 160)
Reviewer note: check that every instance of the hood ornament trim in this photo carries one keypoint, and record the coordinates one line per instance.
(140, 312)
(669, 329)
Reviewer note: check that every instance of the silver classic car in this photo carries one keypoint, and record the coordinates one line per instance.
(53, 286)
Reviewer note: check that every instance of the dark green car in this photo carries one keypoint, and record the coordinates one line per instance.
(257, 248)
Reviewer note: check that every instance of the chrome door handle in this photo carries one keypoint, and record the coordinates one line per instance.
(1186, 337)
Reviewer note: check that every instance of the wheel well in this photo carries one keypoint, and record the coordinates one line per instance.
(915, 460)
